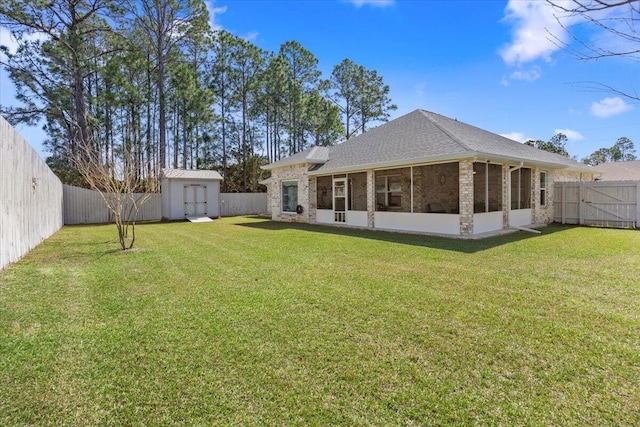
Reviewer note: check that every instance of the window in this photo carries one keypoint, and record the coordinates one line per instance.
(389, 192)
(543, 189)
(521, 189)
(289, 196)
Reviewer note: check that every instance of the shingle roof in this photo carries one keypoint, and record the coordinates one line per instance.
(316, 155)
(619, 171)
(423, 136)
(191, 174)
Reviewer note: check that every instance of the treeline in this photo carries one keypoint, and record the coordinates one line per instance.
(150, 85)
(623, 150)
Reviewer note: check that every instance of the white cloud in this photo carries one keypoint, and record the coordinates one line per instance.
(251, 36)
(572, 135)
(6, 39)
(374, 3)
(608, 107)
(530, 75)
(535, 29)
(213, 13)
(526, 75)
(516, 136)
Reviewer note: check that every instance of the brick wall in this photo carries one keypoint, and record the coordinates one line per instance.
(305, 189)
(466, 197)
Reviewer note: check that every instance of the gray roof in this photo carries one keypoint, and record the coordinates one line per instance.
(314, 155)
(619, 171)
(207, 175)
(422, 137)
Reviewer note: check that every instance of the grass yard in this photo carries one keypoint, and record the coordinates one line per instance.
(249, 322)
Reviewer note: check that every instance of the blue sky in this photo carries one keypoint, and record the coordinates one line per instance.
(487, 63)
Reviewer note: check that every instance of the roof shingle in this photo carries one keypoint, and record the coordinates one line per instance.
(619, 171)
(423, 136)
(191, 174)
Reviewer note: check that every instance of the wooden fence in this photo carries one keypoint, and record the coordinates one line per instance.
(83, 206)
(614, 204)
(234, 204)
(30, 197)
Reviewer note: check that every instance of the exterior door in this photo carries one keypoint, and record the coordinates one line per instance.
(195, 200)
(340, 200)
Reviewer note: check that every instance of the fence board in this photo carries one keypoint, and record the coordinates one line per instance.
(84, 206)
(603, 204)
(234, 204)
(30, 197)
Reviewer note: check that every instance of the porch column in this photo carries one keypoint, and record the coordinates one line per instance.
(466, 197)
(536, 207)
(506, 196)
(371, 198)
(313, 187)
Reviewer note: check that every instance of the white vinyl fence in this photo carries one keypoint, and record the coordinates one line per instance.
(614, 204)
(234, 204)
(30, 197)
(83, 206)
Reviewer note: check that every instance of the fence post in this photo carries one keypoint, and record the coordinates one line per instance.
(637, 204)
(563, 213)
(581, 203)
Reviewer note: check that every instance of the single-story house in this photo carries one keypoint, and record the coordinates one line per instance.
(422, 173)
(190, 193)
(618, 171)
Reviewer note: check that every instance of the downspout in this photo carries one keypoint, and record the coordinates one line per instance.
(530, 230)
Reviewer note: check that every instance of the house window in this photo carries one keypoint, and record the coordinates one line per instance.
(389, 192)
(289, 196)
(543, 189)
(521, 189)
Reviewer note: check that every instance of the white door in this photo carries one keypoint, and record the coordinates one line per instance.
(195, 200)
(340, 200)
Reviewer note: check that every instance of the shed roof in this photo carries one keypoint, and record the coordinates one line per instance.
(207, 175)
(423, 136)
(619, 171)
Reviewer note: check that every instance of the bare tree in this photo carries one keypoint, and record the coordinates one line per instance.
(617, 18)
(121, 186)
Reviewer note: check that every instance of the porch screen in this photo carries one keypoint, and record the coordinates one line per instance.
(393, 190)
(487, 187)
(324, 192)
(357, 191)
(521, 189)
(436, 188)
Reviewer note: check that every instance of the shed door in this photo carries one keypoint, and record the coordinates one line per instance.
(195, 200)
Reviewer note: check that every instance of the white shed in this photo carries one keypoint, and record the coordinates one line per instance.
(190, 193)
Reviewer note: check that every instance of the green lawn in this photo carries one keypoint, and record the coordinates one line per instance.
(249, 322)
